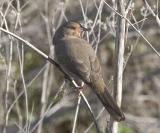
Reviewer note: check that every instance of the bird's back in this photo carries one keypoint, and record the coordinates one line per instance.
(75, 53)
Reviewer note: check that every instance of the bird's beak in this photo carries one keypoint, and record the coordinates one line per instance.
(84, 28)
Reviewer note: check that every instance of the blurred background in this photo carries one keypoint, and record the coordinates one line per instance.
(34, 94)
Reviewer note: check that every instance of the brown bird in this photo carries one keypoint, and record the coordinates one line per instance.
(78, 59)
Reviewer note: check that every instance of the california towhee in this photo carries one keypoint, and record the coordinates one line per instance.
(78, 59)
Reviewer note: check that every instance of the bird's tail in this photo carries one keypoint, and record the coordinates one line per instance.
(111, 106)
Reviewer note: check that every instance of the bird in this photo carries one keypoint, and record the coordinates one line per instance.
(78, 59)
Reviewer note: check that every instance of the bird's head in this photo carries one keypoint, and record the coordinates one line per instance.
(70, 29)
(73, 29)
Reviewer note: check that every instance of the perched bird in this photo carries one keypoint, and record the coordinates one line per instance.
(78, 59)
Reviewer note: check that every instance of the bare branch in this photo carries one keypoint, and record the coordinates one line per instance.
(76, 114)
(152, 12)
(58, 66)
(149, 44)
(119, 60)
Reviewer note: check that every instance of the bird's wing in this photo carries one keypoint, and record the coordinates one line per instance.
(94, 63)
(86, 61)
(75, 56)
(80, 69)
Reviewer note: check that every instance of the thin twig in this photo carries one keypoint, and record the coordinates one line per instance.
(46, 88)
(26, 42)
(76, 114)
(50, 110)
(8, 73)
(21, 61)
(91, 112)
(153, 13)
(91, 125)
(19, 111)
(44, 97)
(134, 46)
(95, 20)
(84, 17)
(149, 44)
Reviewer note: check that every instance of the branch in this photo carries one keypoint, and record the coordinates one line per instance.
(59, 67)
(76, 114)
(119, 60)
(124, 17)
(152, 12)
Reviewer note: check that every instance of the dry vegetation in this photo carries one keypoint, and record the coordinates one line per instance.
(33, 95)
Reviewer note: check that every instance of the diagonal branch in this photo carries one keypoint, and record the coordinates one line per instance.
(128, 21)
(59, 67)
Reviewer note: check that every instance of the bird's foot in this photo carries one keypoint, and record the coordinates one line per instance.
(81, 86)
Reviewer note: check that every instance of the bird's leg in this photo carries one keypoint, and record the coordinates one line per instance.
(81, 86)
(77, 86)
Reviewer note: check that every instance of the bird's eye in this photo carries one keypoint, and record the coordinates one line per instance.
(71, 27)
